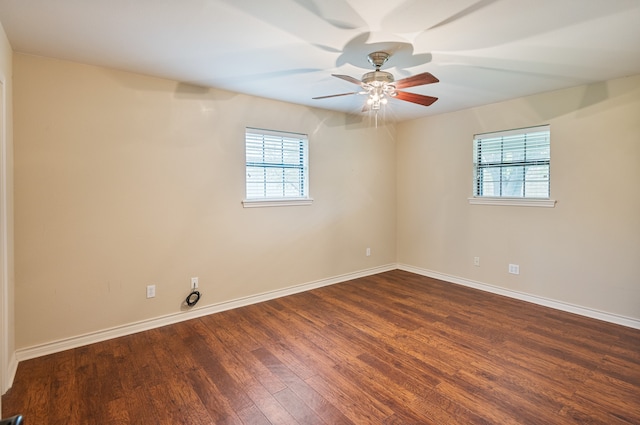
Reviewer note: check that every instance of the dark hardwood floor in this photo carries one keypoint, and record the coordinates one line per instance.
(395, 348)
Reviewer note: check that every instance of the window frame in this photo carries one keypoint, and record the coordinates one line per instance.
(302, 166)
(510, 200)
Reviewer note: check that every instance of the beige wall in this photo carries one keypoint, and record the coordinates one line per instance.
(7, 328)
(123, 180)
(585, 251)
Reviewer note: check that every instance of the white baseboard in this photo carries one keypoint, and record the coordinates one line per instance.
(558, 305)
(131, 328)
(12, 369)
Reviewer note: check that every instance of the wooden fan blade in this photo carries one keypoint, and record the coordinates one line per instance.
(415, 98)
(336, 95)
(348, 78)
(416, 80)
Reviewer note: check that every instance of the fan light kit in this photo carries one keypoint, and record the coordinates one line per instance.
(379, 85)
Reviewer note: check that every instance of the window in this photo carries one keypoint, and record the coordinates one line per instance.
(276, 168)
(512, 164)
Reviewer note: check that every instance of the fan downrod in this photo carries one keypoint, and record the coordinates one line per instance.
(377, 77)
(378, 59)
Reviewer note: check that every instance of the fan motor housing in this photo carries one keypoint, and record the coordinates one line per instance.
(377, 76)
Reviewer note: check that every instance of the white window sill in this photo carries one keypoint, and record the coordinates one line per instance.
(517, 202)
(259, 203)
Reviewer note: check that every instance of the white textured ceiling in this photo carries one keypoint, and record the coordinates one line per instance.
(483, 51)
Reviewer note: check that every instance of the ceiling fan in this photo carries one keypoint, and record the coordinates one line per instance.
(380, 85)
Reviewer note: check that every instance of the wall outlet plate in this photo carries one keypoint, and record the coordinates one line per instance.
(151, 291)
(194, 283)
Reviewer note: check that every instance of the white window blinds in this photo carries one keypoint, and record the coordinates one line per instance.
(276, 165)
(513, 163)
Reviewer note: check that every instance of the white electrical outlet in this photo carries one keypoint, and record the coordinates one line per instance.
(194, 283)
(368, 252)
(151, 291)
(514, 269)
(476, 261)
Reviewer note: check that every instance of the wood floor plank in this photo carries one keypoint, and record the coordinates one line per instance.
(617, 396)
(117, 413)
(216, 402)
(253, 416)
(65, 389)
(250, 375)
(325, 410)
(348, 398)
(393, 348)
